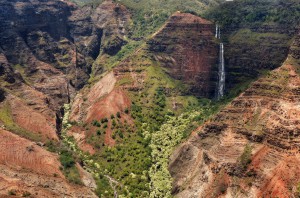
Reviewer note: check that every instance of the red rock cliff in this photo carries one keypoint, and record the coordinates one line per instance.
(185, 46)
(251, 147)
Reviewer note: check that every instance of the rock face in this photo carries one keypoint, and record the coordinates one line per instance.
(185, 46)
(249, 149)
(47, 49)
(244, 60)
(55, 43)
(27, 168)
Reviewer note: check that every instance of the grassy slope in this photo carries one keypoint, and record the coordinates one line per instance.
(130, 161)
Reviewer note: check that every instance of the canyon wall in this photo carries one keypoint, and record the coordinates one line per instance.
(186, 48)
(47, 49)
(251, 147)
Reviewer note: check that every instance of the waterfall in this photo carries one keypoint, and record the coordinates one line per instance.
(221, 73)
(218, 32)
(221, 67)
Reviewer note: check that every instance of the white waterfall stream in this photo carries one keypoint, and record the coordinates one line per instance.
(221, 73)
(221, 68)
(218, 32)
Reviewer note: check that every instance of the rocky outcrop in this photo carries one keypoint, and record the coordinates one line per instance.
(250, 148)
(185, 46)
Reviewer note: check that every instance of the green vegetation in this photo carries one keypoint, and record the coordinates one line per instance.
(22, 70)
(12, 192)
(254, 12)
(148, 16)
(162, 144)
(26, 194)
(245, 158)
(69, 167)
(162, 114)
(255, 38)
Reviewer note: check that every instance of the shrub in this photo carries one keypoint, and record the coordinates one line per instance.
(96, 123)
(126, 111)
(114, 123)
(66, 159)
(26, 194)
(12, 192)
(105, 125)
(103, 120)
(121, 134)
(245, 158)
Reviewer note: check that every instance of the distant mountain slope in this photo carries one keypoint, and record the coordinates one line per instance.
(150, 15)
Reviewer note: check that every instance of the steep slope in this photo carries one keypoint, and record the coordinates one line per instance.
(175, 49)
(47, 49)
(49, 53)
(250, 148)
(110, 118)
(256, 36)
(185, 47)
(26, 169)
(148, 16)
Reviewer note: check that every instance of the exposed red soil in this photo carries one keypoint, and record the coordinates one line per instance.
(102, 100)
(266, 118)
(185, 46)
(101, 88)
(79, 134)
(26, 167)
(116, 101)
(187, 18)
(21, 182)
(84, 100)
(34, 99)
(20, 153)
(32, 120)
(258, 157)
(280, 180)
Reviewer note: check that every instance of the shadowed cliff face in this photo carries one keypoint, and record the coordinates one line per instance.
(47, 49)
(253, 49)
(185, 47)
(256, 36)
(60, 35)
(250, 148)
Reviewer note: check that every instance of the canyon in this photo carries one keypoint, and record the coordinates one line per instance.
(84, 93)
